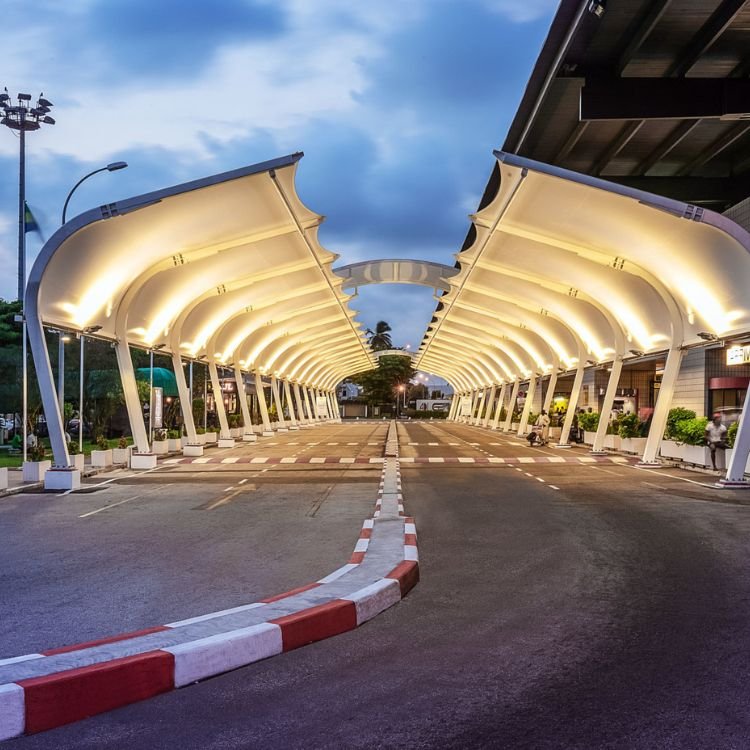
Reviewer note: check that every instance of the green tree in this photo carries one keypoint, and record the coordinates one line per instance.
(380, 338)
(380, 386)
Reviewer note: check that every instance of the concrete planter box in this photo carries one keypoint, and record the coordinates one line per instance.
(200, 438)
(633, 445)
(34, 471)
(249, 437)
(101, 459)
(514, 426)
(588, 437)
(727, 458)
(160, 447)
(121, 455)
(77, 460)
(226, 442)
(236, 432)
(211, 437)
(699, 455)
(671, 449)
(174, 444)
(614, 442)
(3, 479)
(192, 449)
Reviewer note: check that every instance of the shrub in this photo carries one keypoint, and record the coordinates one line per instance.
(36, 452)
(692, 431)
(533, 417)
(173, 434)
(200, 431)
(588, 421)
(72, 448)
(629, 426)
(677, 414)
(235, 420)
(732, 434)
(122, 442)
(160, 435)
(102, 443)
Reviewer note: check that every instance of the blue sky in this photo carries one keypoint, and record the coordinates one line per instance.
(397, 105)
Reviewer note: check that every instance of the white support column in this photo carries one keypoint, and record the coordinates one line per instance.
(260, 391)
(661, 407)
(311, 407)
(317, 394)
(303, 420)
(329, 404)
(132, 402)
(523, 426)
(277, 400)
(735, 476)
(225, 437)
(499, 407)
(511, 405)
(186, 406)
(292, 417)
(474, 396)
(248, 435)
(452, 410)
(63, 475)
(572, 407)
(488, 406)
(609, 400)
(479, 408)
(550, 391)
(336, 406)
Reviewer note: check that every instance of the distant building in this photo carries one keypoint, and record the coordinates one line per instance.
(348, 391)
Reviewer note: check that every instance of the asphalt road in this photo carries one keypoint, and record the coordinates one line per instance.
(562, 605)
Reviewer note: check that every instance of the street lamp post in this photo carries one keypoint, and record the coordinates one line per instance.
(88, 329)
(63, 339)
(113, 167)
(21, 116)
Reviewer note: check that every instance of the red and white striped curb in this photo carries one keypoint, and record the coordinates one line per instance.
(119, 670)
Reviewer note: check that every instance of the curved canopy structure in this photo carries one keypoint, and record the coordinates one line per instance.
(562, 271)
(419, 272)
(226, 268)
(565, 269)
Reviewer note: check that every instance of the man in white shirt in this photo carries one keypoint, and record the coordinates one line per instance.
(716, 434)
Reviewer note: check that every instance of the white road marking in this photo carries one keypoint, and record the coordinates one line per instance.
(107, 507)
(553, 487)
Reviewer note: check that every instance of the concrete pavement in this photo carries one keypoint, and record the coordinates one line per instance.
(562, 605)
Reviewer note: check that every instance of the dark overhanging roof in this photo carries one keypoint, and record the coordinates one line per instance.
(651, 93)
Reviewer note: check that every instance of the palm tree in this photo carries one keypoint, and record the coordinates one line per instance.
(380, 339)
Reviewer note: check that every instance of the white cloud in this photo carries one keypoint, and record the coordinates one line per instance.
(315, 70)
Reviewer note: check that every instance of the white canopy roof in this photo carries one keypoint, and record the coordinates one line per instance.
(228, 267)
(565, 268)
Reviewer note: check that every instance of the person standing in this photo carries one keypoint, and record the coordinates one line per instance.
(716, 433)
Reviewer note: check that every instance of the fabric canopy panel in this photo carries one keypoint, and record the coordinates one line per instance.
(566, 269)
(228, 268)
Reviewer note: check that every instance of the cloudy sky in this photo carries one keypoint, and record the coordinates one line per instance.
(397, 105)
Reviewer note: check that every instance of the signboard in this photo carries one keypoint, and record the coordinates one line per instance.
(738, 355)
(465, 406)
(158, 401)
(321, 406)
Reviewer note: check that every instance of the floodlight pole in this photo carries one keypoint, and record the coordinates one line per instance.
(23, 117)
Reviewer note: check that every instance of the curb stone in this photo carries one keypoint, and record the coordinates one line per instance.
(62, 685)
